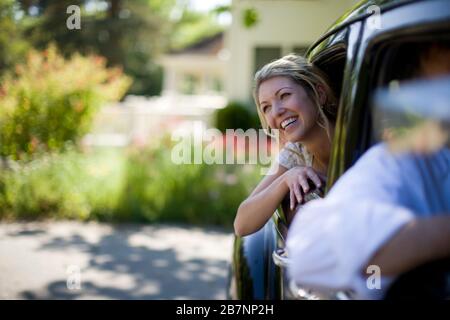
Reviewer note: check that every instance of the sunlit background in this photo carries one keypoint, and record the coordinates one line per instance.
(87, 116)
(96, 106)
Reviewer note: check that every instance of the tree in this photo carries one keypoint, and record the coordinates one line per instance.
(12, 45)
(128, 33)
(191, 27)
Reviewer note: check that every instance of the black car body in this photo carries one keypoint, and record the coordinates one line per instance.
(367, 48)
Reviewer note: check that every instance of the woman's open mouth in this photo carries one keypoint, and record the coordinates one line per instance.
(288, 123)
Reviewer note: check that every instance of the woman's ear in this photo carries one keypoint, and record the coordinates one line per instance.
(322, 94)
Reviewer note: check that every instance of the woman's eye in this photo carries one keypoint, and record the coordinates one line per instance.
(284, 95)
(265, 108)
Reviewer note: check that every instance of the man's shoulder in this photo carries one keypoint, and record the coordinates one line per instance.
(377, 152)
(376, 158)
(376, 168)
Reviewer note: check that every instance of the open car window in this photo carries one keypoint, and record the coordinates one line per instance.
(332, 62)
(411, 59)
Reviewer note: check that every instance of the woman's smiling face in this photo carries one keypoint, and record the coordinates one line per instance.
(287, 107)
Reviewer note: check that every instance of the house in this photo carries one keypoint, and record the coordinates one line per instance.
(202, 77)
(282, 27)
(198, 69)
(193, 90)
(224, 64)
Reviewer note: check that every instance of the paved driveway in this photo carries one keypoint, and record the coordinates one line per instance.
(72, 260)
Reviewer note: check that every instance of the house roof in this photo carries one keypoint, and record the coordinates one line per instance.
(206, 46)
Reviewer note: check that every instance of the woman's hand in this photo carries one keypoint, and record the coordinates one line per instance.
(297, 181)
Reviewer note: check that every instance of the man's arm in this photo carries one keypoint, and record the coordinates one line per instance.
(419, 241)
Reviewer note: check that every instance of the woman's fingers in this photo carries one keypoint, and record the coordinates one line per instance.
(292, 198)
(314, 177)
(299, 186)
(303, 182)
(297, 192)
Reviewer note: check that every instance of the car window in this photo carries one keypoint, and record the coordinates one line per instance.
(402, 61)
(332, 62)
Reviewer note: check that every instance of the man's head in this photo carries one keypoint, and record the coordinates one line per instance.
(434, 61)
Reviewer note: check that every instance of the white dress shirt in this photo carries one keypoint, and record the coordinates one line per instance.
(332, 239)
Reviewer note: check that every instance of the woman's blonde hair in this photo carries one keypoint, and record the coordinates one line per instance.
(304, 73)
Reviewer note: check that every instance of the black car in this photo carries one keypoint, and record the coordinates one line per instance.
(370, 47)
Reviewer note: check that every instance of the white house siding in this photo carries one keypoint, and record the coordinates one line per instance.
(206, 68)
(285, 24)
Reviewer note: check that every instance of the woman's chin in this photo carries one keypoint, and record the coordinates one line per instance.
(293, 136)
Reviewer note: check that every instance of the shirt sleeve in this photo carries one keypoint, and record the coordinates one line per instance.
(288, 157)
(332, 239)
(330, 242)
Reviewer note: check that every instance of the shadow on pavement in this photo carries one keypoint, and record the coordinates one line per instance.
(146, 273)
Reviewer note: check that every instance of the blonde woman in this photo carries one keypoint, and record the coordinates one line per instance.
(294, 97)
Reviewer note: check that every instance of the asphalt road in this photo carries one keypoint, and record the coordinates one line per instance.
(73, 260)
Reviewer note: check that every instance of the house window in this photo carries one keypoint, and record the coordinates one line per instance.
(265, 55)
(190, 84)
(217, 85)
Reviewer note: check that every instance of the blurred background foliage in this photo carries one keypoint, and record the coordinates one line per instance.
(140, 185)
(12, 45)
(236, 115)
(48, 100)
(54, 80)
(128, 33)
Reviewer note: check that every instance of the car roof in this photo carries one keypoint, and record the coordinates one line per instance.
(361, 7)
(359, 12)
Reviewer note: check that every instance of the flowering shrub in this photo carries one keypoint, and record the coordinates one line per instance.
(50, 101)
(156, 189)
(140, 185)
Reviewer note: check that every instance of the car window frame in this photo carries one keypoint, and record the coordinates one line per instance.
(353, 132)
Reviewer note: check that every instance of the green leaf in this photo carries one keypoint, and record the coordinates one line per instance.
(250, 17)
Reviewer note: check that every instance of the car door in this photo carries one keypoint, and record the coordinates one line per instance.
(386, 57)
(372, 61)
(367, 69)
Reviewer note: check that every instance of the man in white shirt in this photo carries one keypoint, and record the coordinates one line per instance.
(390, 211)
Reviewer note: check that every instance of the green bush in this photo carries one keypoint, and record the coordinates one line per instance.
(12, 44)
(70, 185)
(159, 190)
(50, 101)
(140, 185)
(236, 116)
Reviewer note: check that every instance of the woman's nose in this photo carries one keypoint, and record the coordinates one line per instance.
(278, 109)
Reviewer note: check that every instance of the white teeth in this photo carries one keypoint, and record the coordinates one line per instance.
(287, 122)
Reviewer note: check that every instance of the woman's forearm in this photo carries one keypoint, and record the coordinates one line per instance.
(420, 241)
(254, 212)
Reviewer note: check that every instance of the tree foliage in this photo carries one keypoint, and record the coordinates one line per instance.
(129, 33)
(50, 101)
(12, 45)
